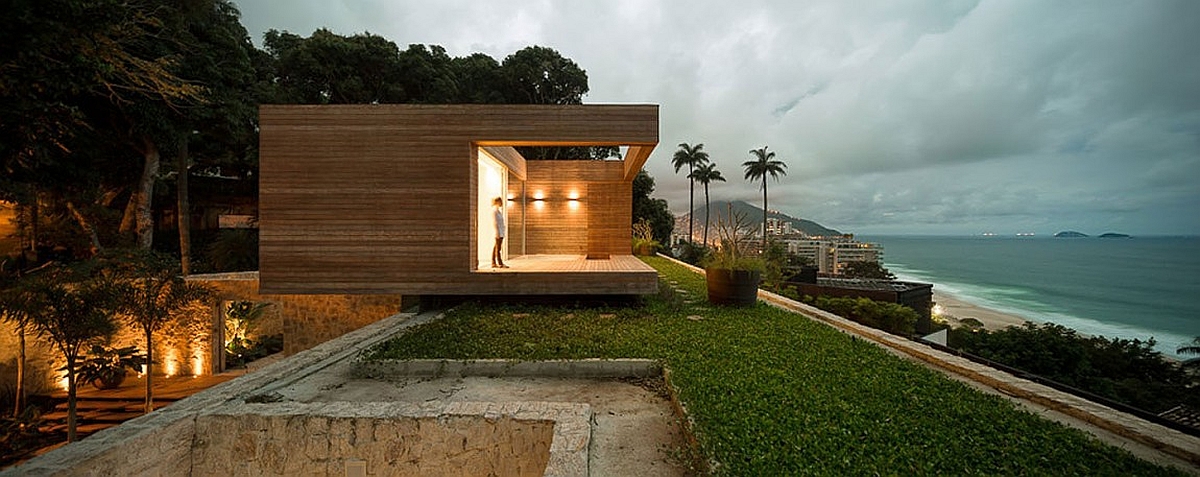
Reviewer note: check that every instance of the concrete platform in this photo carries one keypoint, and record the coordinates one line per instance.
(634, 430)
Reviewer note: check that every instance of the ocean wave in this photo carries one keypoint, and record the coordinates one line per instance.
(1021, 303)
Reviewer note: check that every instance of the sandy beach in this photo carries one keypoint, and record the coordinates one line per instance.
(954, 310)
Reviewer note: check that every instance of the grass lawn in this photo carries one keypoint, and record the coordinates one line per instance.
(772, 392)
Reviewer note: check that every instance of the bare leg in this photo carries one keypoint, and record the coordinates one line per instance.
(497, 261)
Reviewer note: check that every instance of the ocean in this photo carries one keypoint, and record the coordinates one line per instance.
(1140, 287)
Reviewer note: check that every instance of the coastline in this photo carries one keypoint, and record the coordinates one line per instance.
(954, 310)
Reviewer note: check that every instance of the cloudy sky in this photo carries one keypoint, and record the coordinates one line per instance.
(896, 116)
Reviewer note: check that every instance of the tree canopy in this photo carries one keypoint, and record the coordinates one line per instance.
(109, 101)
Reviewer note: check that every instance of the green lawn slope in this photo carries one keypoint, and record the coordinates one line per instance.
(774, 393)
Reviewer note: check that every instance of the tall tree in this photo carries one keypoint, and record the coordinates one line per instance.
(706, 174)
(763, 165)
(692, 157)
(327, 68)
(223, 127)
(61, 63)
(152, 293)
(479, 79)
(540, 75)
(656, 211)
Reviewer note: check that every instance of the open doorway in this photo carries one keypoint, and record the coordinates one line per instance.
(493, 183)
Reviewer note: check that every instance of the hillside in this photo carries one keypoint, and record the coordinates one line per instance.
(754, 215)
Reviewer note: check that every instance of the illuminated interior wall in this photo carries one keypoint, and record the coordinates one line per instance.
(563, 204)
(515, 243)
(493, 179)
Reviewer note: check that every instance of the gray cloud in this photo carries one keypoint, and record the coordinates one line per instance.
(894, 116)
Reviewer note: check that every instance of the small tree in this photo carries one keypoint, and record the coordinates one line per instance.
(15, 308)
(73, 308)
(153, 292)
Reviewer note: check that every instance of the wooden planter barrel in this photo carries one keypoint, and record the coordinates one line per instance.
(732, 287)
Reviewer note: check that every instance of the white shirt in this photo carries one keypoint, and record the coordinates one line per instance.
(499, 221)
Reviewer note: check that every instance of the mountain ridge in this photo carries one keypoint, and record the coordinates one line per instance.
(719, 209)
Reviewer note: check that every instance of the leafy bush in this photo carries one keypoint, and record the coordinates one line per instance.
(1129, 371)
(234, 250)
(693, 253)
(108, 366)
(890, 317)
(247, 351)
(22, 435)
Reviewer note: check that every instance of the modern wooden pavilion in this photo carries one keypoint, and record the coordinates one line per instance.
(375, 199)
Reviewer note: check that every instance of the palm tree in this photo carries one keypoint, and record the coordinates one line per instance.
(15, 307)
(758, 169)
(153, 293)
(1193, 348)
(692, 157)
(705, 174)
(71, 310)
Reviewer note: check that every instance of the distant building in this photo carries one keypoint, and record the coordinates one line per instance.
(832, 254)
(777, 226)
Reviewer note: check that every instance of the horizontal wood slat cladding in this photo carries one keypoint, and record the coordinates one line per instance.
(381, 198)
(609, 229)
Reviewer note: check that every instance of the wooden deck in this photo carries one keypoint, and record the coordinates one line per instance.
(566, 275)
(570, 263)
(97, 409)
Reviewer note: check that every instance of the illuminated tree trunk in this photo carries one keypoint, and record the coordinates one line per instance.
(184, 216)
(145, 195)
(19, 400)
(149, 375)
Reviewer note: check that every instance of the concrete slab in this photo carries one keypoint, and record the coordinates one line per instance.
(634, 429)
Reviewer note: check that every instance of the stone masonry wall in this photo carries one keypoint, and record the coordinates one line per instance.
(310, 320)
(192, 344)
(304, 320)
(399, 445)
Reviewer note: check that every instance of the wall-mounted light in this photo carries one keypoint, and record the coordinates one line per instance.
(573, 204)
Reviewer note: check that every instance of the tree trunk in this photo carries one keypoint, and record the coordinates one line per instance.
(143, 197)
(71, 385)
(764, 246)
(184, 211)
(86, 226)
(705, 215)
(127, 217)
(19, 399)
(149, 374)
(691, 202)
(34, 212)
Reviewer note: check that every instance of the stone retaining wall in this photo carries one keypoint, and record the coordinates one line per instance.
(304, 320)
(224, 430)
(382, 438)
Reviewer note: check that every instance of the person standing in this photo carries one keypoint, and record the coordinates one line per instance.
(498, 220)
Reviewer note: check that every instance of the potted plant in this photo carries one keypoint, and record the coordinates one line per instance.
(643, 238)
(732, 271)
(106, 368)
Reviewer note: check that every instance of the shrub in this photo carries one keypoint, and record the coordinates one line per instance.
(890, 317)
(1128, 371)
